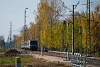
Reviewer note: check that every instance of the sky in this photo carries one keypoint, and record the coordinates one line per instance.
(13, 11)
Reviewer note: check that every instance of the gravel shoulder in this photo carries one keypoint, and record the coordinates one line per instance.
(53, 58)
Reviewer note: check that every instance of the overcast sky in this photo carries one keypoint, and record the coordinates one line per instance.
(13, 11)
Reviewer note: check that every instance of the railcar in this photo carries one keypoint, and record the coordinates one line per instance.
(30, 45)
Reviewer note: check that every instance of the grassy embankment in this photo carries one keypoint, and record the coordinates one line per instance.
(10, 60)
(28, 61)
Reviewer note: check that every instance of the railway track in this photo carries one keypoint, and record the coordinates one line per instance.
(94, 61)
(89, 60)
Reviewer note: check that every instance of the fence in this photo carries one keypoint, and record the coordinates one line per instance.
(78, 61)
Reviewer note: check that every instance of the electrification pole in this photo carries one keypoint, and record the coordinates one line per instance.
(88, 38)
(80, 32)
(34, 34)
(74, 6)
(51, 31)
(25, 27)
(73, 33)
(63, 34)
(67, 41)
(10, 34)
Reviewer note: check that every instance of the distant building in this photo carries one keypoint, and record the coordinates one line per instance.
(2, 37)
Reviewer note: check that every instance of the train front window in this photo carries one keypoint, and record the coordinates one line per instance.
(33, 42)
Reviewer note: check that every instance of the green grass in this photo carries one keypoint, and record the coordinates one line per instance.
(28, 61)
(11, 59)
(7, 60)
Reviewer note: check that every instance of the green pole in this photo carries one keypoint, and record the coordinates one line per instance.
(86, 27)
(89, 29)
(80, 32)
(88, 39)
(67, 41)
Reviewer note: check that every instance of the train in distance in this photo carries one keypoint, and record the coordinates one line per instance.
(30, 45)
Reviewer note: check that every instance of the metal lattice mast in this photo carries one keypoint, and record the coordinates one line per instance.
(10, 34)
(25, 26)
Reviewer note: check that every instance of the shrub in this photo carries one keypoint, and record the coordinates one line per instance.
(97, 54)
(1, 50)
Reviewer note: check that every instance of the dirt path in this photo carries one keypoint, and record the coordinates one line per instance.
(53, 58)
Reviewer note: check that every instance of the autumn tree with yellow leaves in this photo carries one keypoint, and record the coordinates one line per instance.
(53, 33)
(49, 13)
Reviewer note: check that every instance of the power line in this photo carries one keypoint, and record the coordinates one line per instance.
(96, 2)
(20, 28)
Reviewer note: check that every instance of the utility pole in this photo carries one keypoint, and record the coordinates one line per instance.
(51, 32)
(63, 34)
(88, 38)
(73, 33)
(74, 6)
(10, 34)
(34, 34)
(39, 36)
(80, 32)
